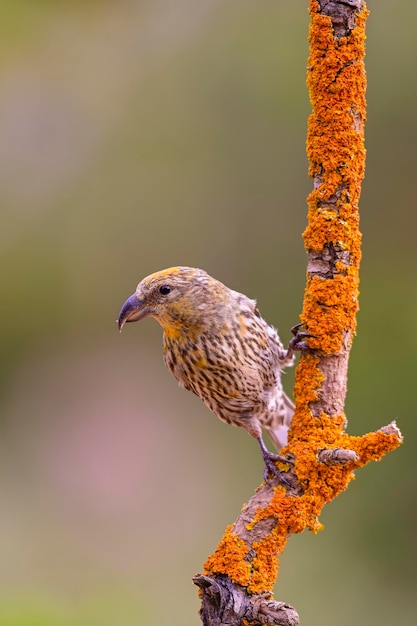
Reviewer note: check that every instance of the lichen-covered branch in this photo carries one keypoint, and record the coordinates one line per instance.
(237, 584)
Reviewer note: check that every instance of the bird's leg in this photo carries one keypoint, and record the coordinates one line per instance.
(270, 460)
(297, 342)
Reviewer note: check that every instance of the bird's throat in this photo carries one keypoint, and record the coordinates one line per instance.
(172, 332)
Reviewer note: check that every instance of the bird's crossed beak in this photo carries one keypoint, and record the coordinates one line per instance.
(133, 310)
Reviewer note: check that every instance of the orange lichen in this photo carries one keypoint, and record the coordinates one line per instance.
(265, 563)
(229, 558)
(307, 379)
(336, 153)
(373, 446)
(329, 308)
(335, 146)
(336, 81)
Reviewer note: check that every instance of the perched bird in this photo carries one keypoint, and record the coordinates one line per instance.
(218, 346)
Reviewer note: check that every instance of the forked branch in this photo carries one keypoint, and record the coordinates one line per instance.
(236, 587)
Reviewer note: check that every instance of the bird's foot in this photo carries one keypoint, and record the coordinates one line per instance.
(298, 340)
(271, 471)
(270, 460)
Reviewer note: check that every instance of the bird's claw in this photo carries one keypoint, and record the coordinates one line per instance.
(298, 341)
(296, 328)
(270, 460)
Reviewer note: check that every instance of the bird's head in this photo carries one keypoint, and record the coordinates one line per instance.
(176, 297)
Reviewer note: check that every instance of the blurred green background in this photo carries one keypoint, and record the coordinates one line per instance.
(136, 135)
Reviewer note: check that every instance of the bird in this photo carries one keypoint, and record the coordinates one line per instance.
(217, 345)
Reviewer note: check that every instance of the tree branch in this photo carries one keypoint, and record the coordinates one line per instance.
(237, 584)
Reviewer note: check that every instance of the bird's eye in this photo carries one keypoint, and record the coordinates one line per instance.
(165, 289)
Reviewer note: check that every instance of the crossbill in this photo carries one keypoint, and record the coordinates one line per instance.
(218, 346)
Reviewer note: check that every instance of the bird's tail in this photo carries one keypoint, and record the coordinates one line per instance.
(279, 432)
